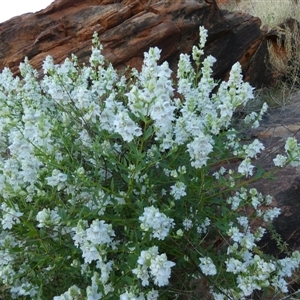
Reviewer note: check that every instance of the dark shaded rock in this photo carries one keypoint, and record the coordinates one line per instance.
(287, 224)
(259, 71)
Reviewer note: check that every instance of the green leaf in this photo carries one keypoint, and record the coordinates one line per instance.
(33, 231)
(125, 177)
(112, 184)
(149, 131)
(259, 173)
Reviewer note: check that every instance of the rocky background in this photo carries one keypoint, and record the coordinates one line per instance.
(127, 28)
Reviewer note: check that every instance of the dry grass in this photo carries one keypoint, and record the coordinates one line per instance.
(285, 56)
(271, 12)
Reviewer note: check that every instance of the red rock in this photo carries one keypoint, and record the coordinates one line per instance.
(128, 28)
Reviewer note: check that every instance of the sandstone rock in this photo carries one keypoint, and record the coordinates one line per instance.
(127, 28)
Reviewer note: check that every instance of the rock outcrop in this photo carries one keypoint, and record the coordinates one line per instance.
(127, 28)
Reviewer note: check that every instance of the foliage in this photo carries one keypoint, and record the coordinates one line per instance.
(119, 188)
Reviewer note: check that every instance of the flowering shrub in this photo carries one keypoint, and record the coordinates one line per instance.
(107, 188)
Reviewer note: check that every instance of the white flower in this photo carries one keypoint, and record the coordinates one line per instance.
(187, 224)
(152, 295)
(219, 173)
(96, 57)
(80, 233)
(142, 273)
(259, 233)
(174, 173)
(280, 160)
(57, 179)
(178, 190)
(156, 222)
(234, 201)
(100, 233)
(268, 200)
(126, 127)
(197, 53)
(288, 265)
(293, 150)
(160, 269)
(161, 111)
(250, 118)
(234, 266)
(235, 234)
(179, 233)
(247, 240)
(92, 291)
(48, 64)
(184, 68)
(48, 218)
(202, 228)
(199, 149)
(253, 149)
(271, 214)
(291, 144)
(280, 284)
(256, 198)
(203, 33)
(207, 266)
(245, 168)
(10, 216)
(72, 293)
(151, 264)
(131, 296)
(218, 296)
(243, 221)
(23, 289)
(105, 270)
(90, 252)
(247, 284)
(247, 256)
(182, 170)
(147, 255)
